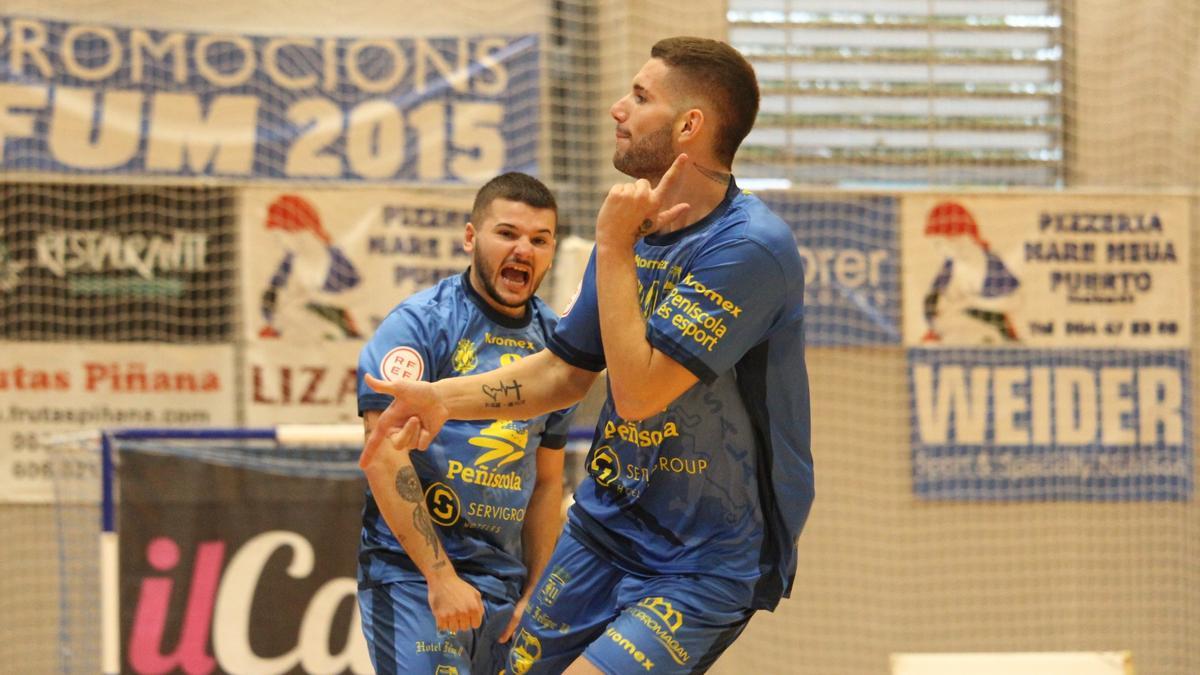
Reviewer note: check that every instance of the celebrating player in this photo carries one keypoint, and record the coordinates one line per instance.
(465, 528)
(700, 475)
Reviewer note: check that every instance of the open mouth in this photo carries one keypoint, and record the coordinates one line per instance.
(514, 277)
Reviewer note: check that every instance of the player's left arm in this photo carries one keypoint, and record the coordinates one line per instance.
(543, 523)
(643, 380)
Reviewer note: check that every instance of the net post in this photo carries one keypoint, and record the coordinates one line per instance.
(110, 636)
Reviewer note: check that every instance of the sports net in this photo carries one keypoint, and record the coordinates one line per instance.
(923, 536)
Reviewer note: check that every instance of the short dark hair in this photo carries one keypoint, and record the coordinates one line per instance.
(515, 187)
(719, 74)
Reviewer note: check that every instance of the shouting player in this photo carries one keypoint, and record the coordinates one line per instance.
(453, 538)
(700, 474)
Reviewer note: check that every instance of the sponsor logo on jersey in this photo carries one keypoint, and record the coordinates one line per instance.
(512, 343)
(604, 466)
(443, 504)
(525, 651)
(464, 357)
(446, 670)
(402, 363)
(630, 432)
(557, 579)
(630, 648)
(663, 620)
(504, 440)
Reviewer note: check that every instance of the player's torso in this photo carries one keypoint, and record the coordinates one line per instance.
(478, 475)
(680, 484)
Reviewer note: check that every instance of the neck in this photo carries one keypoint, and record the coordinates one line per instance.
(703, 189)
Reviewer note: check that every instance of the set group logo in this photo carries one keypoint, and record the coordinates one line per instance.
(443, 504)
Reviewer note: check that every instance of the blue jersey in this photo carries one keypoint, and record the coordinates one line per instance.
(721, 481)
(477, 476)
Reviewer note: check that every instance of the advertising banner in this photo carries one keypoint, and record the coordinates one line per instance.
(851, 257)
(324, 267)
(116, 263)
(97, 98)
(1019, 424)
(1046, 270)
(51, 389)
(231, 570)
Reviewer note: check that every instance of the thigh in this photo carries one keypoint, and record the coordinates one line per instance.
(402, 636)
(670, 624)
(571, 604)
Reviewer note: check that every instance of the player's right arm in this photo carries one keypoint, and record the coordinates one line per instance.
(456, 605)
(524, 389)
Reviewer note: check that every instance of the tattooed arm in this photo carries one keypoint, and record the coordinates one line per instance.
(456, 605)
(524, 389)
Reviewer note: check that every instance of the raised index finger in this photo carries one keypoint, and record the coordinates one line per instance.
(667, 182)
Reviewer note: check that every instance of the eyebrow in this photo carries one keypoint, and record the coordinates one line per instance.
(544, 230)
(639, 89)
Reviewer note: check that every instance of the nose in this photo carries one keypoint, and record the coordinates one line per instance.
(523, 249)
(617, 111)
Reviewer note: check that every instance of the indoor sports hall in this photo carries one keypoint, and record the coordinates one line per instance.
(207, 208)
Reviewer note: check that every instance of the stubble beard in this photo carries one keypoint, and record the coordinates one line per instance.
(648, 158)
(486, 272)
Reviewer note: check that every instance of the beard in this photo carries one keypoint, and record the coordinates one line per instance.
(648, 157)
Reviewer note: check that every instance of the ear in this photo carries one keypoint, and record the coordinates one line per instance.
(691, 122)
(469, 238)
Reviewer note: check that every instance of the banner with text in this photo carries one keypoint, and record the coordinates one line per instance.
(851, 256)
(94, 98)
(116, 262)
(1047, 270)
(231, 570)
(1016, 424)
(330, 266)
(49, 389)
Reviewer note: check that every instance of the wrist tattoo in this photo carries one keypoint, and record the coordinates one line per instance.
(503, 395)
(407, 484)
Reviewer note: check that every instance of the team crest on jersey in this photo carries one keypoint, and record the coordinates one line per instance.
(464, 357)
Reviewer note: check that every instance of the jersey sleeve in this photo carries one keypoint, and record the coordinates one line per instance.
(576, 339)
(403, 348)
(724, 305)
(558, 424)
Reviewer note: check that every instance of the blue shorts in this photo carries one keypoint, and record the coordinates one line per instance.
(402, 636)
(624, 623)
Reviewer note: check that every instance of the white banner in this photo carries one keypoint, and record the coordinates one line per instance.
(1046, 270)
(50, 389)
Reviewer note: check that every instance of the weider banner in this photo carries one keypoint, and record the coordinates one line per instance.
(1051, 424)
(96, 98)
(1046, 270)
(328, 265)
(232, 570)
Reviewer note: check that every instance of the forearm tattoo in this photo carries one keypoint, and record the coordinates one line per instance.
(407, 484)
(503, 395)
(424, 525)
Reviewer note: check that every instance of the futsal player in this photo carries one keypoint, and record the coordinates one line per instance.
(700, 474)
(453, 538)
